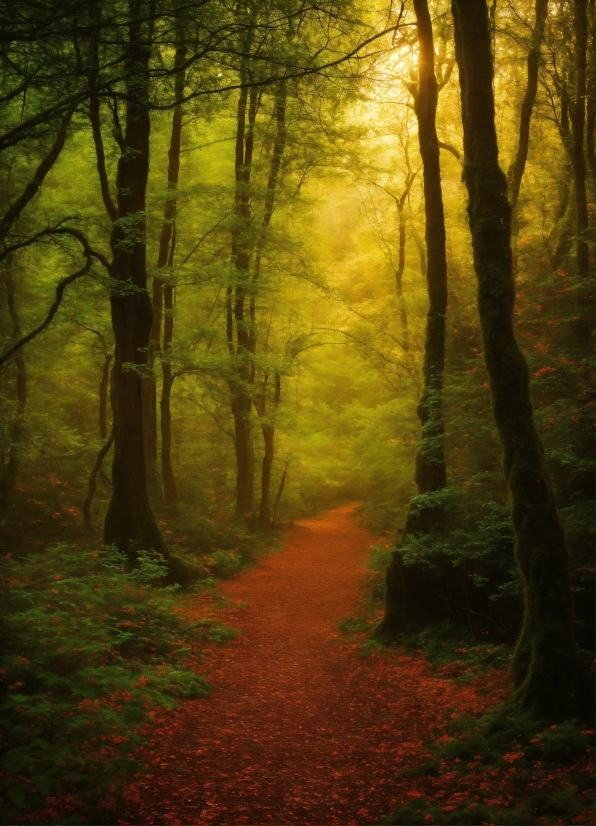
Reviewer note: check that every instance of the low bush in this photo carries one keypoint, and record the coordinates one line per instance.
(89, 654)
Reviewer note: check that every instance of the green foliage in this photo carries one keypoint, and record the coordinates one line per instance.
(89, 654)
(224, 564)
(511, 746)
(456, 650)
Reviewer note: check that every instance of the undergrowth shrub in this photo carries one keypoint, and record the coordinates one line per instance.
(504, 769)
(467, 572)
(89, 654)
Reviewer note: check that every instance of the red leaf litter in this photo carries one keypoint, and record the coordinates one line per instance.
(299, 729)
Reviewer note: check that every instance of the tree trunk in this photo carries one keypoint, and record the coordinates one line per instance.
(103, 396)
(403, 587)
(564, 240)
(92, 485)
(149, 402)
(518, 165)
(165, 258)
(516, 170)
(421, 251)
(546, 667)
(401, 264)
(10, 468)
(268, 455)
(242, 246)
(169, 483)
(129, 522)
(577, 116)
(268, 430)
(280, 490)
(591, 96)
(431, 474)
(241, 408)
(279, 145)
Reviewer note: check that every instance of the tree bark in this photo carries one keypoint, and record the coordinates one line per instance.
(242, 248)
(164, 259)
(280, 490)
(518, 165)
(403, 586)
(103, 396)
(279, 145)
(169, 482)
(10, 467)
(431, 474)
(400, 201)
(572, 125)
(129, 521)
(92, 485)
(564, 242)
(577, 116)
(591, 96)
(547, 672)
(421, 251)
(94, 113)
(401, 264)
(268, 430)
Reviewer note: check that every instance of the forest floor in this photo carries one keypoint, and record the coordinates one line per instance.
(306, 725)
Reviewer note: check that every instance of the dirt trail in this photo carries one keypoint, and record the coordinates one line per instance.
(298, 729)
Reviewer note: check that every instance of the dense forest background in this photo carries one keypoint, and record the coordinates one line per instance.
(213, 242)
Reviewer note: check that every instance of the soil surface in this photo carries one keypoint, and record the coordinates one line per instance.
(300, 728)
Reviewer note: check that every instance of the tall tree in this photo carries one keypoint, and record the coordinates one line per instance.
(425, 513)
(399, 267)
(518, 164)
(569, 72)
(260, 397)
(547, 671)
(163, 298)
(9, 463)
(237, 319)
(129, 521)
(577, 113)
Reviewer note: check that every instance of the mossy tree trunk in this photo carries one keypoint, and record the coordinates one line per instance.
(407, 597)
(550, 681)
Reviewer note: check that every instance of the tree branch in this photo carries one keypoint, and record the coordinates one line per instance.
(36, 181)
(62, 285)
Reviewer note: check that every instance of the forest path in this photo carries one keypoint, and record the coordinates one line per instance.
(299, 728)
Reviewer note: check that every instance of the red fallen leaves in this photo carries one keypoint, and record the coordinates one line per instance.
(299, 729)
